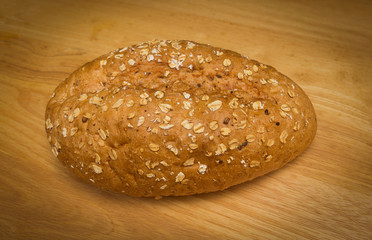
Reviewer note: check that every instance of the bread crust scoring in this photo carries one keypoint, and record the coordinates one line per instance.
(176, 118)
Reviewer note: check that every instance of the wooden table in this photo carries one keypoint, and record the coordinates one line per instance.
(325, 46)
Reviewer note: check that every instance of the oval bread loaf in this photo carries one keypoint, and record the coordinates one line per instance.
(176, 118)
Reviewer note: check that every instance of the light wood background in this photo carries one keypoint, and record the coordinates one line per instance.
(325, 46)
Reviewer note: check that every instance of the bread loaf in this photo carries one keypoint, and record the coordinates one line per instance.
(176, 118)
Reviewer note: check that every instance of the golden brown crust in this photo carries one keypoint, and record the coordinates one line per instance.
(177, 118)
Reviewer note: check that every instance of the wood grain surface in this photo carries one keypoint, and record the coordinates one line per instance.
(325, 46)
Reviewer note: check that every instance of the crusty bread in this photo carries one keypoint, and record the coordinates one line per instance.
(176, 118)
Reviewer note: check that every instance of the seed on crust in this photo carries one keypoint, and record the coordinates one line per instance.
(164, 107)
(186, 124)
(193, 146)
(112, 154)
(144, 52)
(143, 101)
(273, 82)
(150, 57)
(167, 119)
(283, 136)
(101, 143)
(190, 45)
(250, 138)
(297, 126)
(97, 158)
(240, 75)
(150, 175)
(186, 105)
(215, 105)
(173, 63)
(55, 151)
(73, 131)
(141, 120)
(173, 149)
(159, 94)
(131, 62)
(255, 68)
(118, 103)
(102, 134)
(285, 108)
(241, 125)
(155, 130)
(270, 142)
(148, 164)
(189, 162)
(213, 125)
(282, 114)
(102, 63)
(221, 149)
(257, 105)
(247, 72)
(164, 163)
(64, 132)
(154, 147)
(130, 103)
(254, 163)
(227, 62)
(225, 131)
(95, 100)
(144, 95)
(181, 57)
(233, 144)
(122, 67)
(96, 169)
(48, 124)
(198, 128)
(202, 168)
(180, 176)
(83, 97)
(233, 104)
(131, 115)
(261, 129)
(200, 58)
(205, 98)
(71, 118)
(166, 126)
(176, 45)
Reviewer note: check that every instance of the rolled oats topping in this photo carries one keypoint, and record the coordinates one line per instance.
(176, 118)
